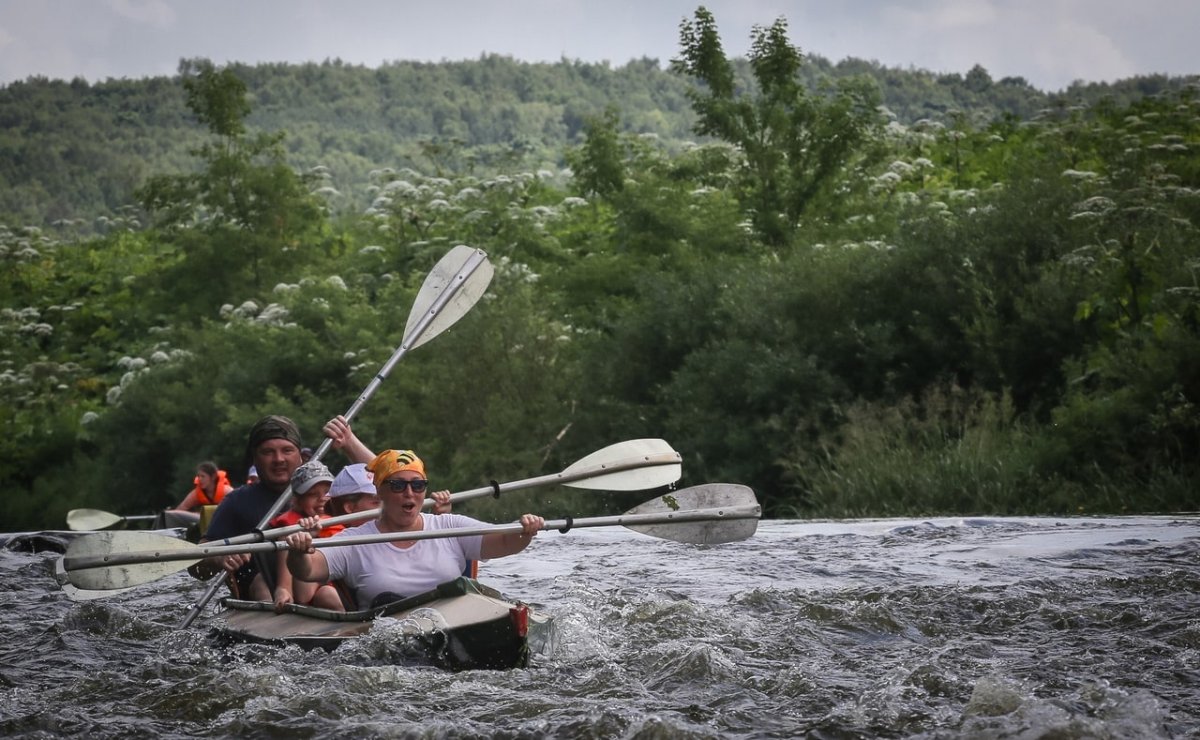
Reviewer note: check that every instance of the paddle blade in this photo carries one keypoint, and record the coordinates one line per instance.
(465, 271)
(622, 454)
(79, 594)
(707, 496)
(82, 520)
(109, 578)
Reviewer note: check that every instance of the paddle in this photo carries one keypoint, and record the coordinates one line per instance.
(452, 287)
(633, 465)
(708, 514)
(79, 594)
(81, 520)
(625, 466)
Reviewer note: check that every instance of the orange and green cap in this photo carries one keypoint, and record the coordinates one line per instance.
(390, 462)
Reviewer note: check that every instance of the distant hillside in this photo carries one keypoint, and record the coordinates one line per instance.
(74, 150)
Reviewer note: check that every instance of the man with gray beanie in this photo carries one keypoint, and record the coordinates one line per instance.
(273, 447)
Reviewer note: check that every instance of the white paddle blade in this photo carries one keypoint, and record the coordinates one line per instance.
(83, 520)
(625, 454)
(466, 273)
(707, 496)
(119, 577)
(79, 594)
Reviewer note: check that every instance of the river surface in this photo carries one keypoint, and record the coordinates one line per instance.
(940, 628)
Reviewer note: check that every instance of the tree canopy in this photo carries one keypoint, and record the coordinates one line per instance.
(971, 314)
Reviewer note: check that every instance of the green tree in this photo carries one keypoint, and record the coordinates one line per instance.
(599, 163)
(795, 142)
(217, 97)
(245, 215)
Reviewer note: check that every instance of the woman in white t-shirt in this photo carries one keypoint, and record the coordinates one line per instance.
(389, 571)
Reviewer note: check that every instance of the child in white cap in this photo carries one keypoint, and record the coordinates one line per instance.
(352, 491)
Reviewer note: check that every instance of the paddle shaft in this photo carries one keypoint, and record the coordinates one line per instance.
(477, 259)
(200, 552)
(562, 478)
(566, 477)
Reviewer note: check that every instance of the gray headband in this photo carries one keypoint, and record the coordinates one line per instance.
(272, 427)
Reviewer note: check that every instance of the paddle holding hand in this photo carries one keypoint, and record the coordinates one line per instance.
(709, 514)
(306, 563)
(632, 465)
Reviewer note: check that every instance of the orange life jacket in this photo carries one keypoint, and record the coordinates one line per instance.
(221, 488)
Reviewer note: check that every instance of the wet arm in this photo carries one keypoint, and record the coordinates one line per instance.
(343, 438)
(188, 503)
(304, 561)
(500, 545)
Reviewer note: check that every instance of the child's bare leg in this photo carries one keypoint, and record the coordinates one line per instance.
(303, 591)
(327, 597)
(259, 590)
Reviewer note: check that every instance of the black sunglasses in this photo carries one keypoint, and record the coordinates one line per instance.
(399, 484)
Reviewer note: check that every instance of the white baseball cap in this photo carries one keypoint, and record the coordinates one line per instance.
(352, 479)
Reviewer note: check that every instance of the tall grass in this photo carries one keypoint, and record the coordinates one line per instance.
(959, 452)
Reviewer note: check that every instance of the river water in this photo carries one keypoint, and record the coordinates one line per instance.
(941, 628)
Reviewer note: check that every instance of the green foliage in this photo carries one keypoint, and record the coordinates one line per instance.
(217, 97)
(71, 152)
(598, 164)
(795, 142)
(243, 217)
(975, 314)
(968, 453)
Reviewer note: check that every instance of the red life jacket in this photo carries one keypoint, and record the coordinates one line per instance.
(292, 517)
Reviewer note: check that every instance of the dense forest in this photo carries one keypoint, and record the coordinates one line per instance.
(859, 290)
(74, 151)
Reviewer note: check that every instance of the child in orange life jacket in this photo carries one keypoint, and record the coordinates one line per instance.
(310, 490)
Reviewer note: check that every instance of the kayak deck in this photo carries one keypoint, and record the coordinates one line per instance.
(459, 625)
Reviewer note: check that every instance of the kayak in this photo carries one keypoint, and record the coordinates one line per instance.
(460, 625)
(50, 540)
(192, 522)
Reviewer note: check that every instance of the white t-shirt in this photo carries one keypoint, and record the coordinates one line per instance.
(370, 570)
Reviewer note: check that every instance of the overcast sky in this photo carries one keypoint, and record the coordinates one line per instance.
(1048, 42)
